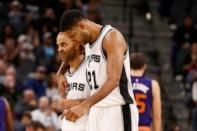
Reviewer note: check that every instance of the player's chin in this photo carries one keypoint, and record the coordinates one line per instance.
(63, 58)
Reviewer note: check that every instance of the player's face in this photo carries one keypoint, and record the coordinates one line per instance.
(66, 47)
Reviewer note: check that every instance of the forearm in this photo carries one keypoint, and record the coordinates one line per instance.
(9, 123)
(105, 90)
(69, 103)
(157, 124)
(61, 82)
(9, 120)
(63, 68)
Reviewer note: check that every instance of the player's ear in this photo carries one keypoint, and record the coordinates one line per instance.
(81, 24)
(145, 66)
(85, 34)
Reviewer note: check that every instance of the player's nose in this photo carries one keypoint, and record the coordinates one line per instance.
(60, 50)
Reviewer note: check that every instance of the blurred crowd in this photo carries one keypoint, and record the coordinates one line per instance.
(176, 10)
(184, 64)
(29, 60)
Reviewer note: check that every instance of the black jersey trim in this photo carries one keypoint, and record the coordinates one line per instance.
(124, 91)
(126, 113)
(104, 53)
(126, 52)
(78, 67)
(101, 32)
(102, 50)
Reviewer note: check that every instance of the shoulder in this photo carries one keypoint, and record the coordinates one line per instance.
(4, 101)
(155, 87)
(114, 40)
(114, 34)
(155, 83)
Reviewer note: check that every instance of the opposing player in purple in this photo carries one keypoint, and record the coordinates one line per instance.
(147, 94)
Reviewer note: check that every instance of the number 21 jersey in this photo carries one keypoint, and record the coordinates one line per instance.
(97, 73)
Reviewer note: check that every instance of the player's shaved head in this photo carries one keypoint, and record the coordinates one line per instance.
(70, 18)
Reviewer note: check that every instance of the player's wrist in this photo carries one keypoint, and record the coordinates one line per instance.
(86, 104)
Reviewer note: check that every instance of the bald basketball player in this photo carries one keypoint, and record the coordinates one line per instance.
(111, 102)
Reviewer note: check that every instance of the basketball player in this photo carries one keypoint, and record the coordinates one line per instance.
(111, 104)
(78, 88)
(147, 94)
(6, 121)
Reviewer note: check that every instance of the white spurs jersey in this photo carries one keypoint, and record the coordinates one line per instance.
(97, 73)
(78, 88)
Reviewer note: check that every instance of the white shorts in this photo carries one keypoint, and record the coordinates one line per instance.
(114, 118)
(79, 125)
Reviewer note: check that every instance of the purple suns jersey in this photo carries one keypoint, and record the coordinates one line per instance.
(2, 115)
(142, 88)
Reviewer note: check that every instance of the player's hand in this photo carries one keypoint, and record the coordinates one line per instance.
(76, 112)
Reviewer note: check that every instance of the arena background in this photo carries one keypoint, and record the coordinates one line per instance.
(164, 30)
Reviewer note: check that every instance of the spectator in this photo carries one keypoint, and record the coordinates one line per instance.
(2, 71)
(32, 35)
(11, 70)
(52, 90)
(15, 15)
(10, 46)
(45, 115)
(6, 121)
(26, 62)
(53, 93)
(46, 52)
(10, 90)
(2, 53)
(26, 119)
(38, 84)
(49, 21)
(191, 61)
(28, 103)
(187, 60)
(7, 31)
(23, 122)
(36, 126)
(183, 37)
(32, 11)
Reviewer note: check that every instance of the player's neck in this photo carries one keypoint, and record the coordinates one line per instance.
(94, 30)
(75, 63)
(137, 73)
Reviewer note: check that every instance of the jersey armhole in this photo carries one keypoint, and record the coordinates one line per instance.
(104, 54)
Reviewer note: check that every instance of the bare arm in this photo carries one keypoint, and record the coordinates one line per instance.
(61, 81)
(156, 106)
(69, 103)
(63, 68)
(9, 120)
(115, 46)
